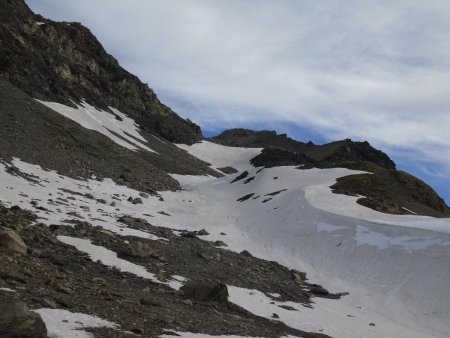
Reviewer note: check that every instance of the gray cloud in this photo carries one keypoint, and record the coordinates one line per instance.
(368, 70)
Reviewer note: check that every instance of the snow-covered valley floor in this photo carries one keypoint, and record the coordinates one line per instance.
(396, 268)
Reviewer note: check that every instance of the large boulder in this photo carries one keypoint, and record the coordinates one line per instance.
(205, 291)
(17, 321)
(136, 249)
(9, 240)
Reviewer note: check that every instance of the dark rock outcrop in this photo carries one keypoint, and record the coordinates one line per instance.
(275, 157)
(241, 176)
(228, 170)
(205, 291)
(11, 241)
(394, 192)
(17, 321)
(333, 154)
(64, 62)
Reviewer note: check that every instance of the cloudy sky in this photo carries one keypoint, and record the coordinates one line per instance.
(320, 70)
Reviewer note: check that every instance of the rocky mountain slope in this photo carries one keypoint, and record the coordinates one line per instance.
(109, 227)
(385, 189)
(64, 62)
(31, 131)
(55, 275)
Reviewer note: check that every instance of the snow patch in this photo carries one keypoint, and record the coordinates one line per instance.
(105, 123)
(222, 156)
(60, 198)
(7, 290)
(66, 324)
(107, 257)
(176, 282)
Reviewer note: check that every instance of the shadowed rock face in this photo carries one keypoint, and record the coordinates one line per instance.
(205, 291)
(330, 155)
(273, 157)
(11, 241)
(64, 62)
(394, 192)
(16, 320)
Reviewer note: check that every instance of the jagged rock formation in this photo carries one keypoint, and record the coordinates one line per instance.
(274, 157)
(64, 62)
(386, 189)
(327, 155)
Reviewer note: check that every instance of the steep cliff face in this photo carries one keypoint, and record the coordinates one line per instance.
(64, 62)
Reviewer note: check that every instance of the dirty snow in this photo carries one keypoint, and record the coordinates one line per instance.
(50, 191)
(104, 122)
(66, 324)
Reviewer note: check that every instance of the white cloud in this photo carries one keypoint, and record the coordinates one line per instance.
(368, 70)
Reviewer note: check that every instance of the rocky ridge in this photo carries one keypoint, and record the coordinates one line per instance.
(385, 189)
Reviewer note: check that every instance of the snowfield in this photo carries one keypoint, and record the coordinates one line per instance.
(396, 268)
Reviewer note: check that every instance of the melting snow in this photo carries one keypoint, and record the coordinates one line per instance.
(64, 198)
(107, 257)
(177, 282)
(105, 123)
(66, 324)
(401, 282)
(396, 270)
